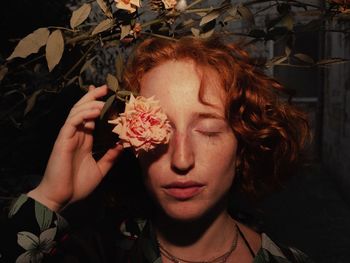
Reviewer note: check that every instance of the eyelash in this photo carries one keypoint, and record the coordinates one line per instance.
(210, 134)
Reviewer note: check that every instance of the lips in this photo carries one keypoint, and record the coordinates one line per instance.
(183, 190)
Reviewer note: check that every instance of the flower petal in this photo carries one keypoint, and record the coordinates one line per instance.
(136, 2)
(27, 240)
(128, 7)
(37, 257)
(143, 124)
(48, 235)
(24, 258)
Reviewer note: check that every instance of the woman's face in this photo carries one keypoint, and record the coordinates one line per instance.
(194, 172)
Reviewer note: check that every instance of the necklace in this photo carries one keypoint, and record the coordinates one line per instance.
(220, 259)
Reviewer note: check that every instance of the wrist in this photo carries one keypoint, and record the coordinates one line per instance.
(39, 197)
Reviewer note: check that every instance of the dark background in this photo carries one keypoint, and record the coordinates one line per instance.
(311, 212)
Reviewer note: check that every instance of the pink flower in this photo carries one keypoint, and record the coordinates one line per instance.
(143, 125)
(129, 5)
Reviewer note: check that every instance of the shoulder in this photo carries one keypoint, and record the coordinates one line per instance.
(271, 252)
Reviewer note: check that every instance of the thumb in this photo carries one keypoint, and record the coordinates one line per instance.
(107, 160)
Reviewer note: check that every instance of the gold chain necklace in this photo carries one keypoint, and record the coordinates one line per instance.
(220, 259)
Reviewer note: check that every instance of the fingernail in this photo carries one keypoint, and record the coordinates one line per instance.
(119, 145)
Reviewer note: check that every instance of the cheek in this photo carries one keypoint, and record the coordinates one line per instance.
(219, 151)
(151, 183)
(152, 172)
(219, 157)
(153, 161)
(224, 175)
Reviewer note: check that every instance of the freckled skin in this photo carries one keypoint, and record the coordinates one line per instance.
(201, 149)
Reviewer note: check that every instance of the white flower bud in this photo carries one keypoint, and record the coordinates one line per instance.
(181, 5)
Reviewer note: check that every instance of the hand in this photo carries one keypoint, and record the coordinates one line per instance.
(72, 173)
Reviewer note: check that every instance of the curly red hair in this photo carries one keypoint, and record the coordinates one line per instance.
(271, 133)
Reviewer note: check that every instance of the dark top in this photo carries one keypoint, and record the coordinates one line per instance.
(34, 233)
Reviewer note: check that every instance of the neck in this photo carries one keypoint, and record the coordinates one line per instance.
(201, 239)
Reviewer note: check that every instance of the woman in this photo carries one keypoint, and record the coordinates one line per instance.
(229, 131)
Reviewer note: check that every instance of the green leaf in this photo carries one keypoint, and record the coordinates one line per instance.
(287, 22)
(125, 30)
(229, 18)
(331, 61)
(246, 14)
(185, 24)
(3, 72)
(276, 61)
(207, 29)
(287, 51)
(304, 58)
(8, 93)
(88, 65)
(141, 223)
(207, 34)
(232, 14)
(61, 223)
(103, 26)
(31, 101)
(30, 44)
(209, 17)
(195, 31)
(123, 93)
(259, 258)
(102, 4)
(54, 49)
(81, 84)
(107, 105)
(80, 15)
(17, 205)
(71, 81)
(119, 66)
(201, 14)
(233, 11)
(112, 83)
(43, 216)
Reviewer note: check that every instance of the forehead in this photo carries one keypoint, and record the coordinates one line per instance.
(183, 83)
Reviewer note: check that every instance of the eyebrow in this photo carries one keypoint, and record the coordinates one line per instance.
(207, 115)
(198, 116)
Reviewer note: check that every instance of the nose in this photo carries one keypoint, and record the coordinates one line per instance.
(182, 155)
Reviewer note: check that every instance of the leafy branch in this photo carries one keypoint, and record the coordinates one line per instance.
(70, 50)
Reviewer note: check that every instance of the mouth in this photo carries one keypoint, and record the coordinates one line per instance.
(183, 190)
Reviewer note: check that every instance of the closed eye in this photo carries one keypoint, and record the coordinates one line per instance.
(210, 133)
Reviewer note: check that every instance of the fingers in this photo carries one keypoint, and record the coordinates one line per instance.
(93, 94)
(82, 114)
(89, 125)
(86, 109)
(107, 161)
(85, 106)
(83, 117)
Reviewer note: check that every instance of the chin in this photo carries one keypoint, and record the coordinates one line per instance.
(183, 212)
